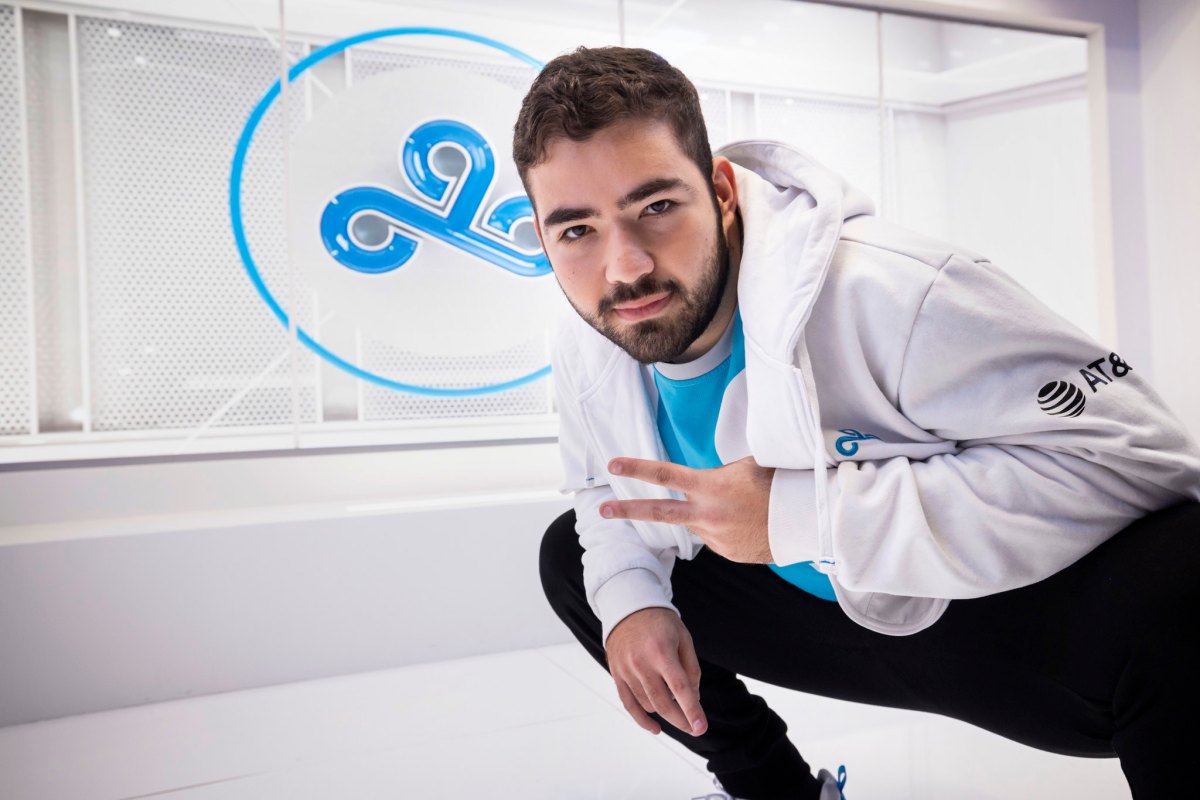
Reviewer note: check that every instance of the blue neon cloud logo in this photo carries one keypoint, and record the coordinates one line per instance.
(502, 219)
(453, 212)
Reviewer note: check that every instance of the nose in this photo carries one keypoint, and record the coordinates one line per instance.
(625, 258)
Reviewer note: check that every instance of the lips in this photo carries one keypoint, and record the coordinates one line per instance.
(643, 308)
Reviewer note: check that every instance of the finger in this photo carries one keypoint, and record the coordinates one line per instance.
(685, 685)
(673, 512)
(663, 702)
(635, 709)
(663, 473)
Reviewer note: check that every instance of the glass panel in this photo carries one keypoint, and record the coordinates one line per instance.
(148, 306)
(991, 150)
(803, 73)
(408, 226)
(138, 309)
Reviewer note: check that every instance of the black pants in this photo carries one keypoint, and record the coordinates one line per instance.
(1101, 659)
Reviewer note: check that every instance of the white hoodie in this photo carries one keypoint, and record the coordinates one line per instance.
(853, 324)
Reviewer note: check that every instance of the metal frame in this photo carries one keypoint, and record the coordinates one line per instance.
(31, 303)
(85, 353)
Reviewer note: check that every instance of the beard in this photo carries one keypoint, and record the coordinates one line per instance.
(666, 336)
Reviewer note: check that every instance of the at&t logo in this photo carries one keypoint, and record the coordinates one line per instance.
(1065, 399)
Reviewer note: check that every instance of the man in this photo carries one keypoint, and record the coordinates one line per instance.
(795, 433)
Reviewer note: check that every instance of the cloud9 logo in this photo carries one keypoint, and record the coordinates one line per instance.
(848, 445)
(453, 214)
(411, 244)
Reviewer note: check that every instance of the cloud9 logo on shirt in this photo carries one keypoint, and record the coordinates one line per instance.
(453, 212)
(1065, 399)
(848, 445)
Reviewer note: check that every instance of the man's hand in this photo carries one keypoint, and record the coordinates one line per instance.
(726, 507)
(653, 662)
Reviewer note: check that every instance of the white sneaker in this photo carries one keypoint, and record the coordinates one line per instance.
(831, 787)
(719, 794)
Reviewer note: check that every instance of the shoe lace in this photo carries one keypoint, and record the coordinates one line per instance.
(841, 780)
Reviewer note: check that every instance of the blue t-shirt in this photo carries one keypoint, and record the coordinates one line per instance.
(702, 423)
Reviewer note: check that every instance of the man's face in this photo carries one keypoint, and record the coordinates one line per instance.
(635, 235)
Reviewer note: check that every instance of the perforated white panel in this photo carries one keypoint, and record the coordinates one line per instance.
(175, 326)
(843, 137)
(483, 369)
(367, 61)
(16, 335)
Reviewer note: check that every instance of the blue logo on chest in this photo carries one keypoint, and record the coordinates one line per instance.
(848, 445)
(451, 210)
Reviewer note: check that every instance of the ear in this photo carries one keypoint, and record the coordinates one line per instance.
(725, 185)
(537, 228)
(537, 220)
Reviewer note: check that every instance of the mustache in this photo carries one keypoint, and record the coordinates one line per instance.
(645, 286)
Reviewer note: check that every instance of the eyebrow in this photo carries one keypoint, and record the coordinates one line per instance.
(651, 187)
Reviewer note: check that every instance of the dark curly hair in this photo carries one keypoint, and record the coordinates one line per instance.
(580, 93)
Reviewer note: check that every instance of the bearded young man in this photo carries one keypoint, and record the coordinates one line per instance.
(813, 448)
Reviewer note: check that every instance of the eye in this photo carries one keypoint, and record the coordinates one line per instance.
(659, 207)
(574, 233)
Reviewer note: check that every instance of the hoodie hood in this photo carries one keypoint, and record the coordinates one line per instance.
(792, 213)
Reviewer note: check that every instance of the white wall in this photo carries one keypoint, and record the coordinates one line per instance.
(1020, 192)
(1170, 63)
(1152, 60)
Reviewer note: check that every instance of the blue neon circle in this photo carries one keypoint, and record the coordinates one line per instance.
(239, 233)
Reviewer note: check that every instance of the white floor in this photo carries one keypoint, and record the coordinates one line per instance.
(541, 723)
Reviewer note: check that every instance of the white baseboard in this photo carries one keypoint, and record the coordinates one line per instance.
(94, 623)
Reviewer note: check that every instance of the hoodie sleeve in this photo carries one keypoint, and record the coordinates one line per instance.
(1060, 444)
(621, 573)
